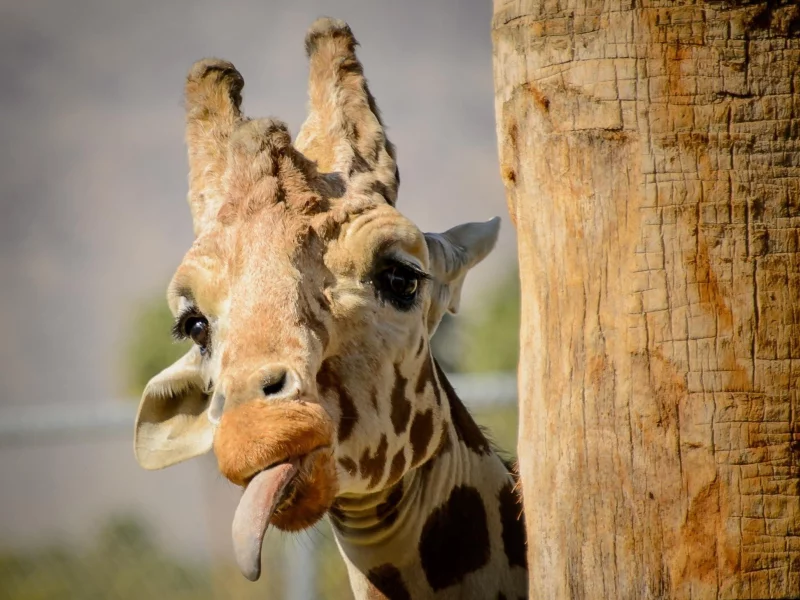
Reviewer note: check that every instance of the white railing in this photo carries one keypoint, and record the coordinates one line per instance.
(477, 391)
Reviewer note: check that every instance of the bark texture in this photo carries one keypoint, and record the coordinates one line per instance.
(651, 155)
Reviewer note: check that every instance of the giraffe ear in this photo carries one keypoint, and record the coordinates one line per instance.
(452, 254)
(172, 424)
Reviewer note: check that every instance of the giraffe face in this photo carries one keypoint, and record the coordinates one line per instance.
(299, 339)
(311, 344)
(310, 300)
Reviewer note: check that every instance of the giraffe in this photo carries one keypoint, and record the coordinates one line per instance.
(311, 301)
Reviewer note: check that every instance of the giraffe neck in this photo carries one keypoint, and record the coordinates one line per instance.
(450, 528)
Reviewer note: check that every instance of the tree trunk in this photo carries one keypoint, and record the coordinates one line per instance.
(652, 165)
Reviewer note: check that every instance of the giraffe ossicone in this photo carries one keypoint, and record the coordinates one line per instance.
(311, 301)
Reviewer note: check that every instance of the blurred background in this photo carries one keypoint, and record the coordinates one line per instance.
(93, 222)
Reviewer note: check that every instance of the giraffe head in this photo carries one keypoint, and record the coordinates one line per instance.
(310, 300)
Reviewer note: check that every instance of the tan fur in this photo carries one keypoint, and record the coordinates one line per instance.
(291, 243)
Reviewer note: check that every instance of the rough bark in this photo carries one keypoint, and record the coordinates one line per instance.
(651, 159)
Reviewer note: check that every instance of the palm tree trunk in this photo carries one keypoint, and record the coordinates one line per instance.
(651, 155)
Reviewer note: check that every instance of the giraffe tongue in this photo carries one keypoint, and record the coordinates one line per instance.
(259, 501)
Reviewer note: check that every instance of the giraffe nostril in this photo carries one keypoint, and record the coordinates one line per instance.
(278, 382)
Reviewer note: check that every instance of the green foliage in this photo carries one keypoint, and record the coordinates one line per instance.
(501, 425)
(491, 333)
(122, 564)
(486, 340)
(150, 348)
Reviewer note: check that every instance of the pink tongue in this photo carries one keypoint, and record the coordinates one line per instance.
(259, 501)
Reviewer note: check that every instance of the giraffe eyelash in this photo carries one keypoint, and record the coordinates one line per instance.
(392, 261)
(423, 276)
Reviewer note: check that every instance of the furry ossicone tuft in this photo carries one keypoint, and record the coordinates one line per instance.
(211, 76)
(326, 27)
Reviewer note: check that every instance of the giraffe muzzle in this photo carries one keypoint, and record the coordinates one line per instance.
(256, 435)
(281, 453)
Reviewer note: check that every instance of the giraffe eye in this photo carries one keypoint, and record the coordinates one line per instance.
(399, 285)
(197, 329)
(193, 325)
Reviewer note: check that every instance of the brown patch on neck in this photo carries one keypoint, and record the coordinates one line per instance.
(328, 380)
(401, 406)
(466, 428)
(455, 539)
(349, 465)
(420, 435)
(398, 467)
(349, 416)
(386, 583)
(513, 522)
(371, 465)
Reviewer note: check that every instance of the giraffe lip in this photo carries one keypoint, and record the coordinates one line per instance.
(250, 478)
(299, 460)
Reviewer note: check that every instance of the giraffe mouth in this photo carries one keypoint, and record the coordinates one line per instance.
(267, 493)
(280, 453)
